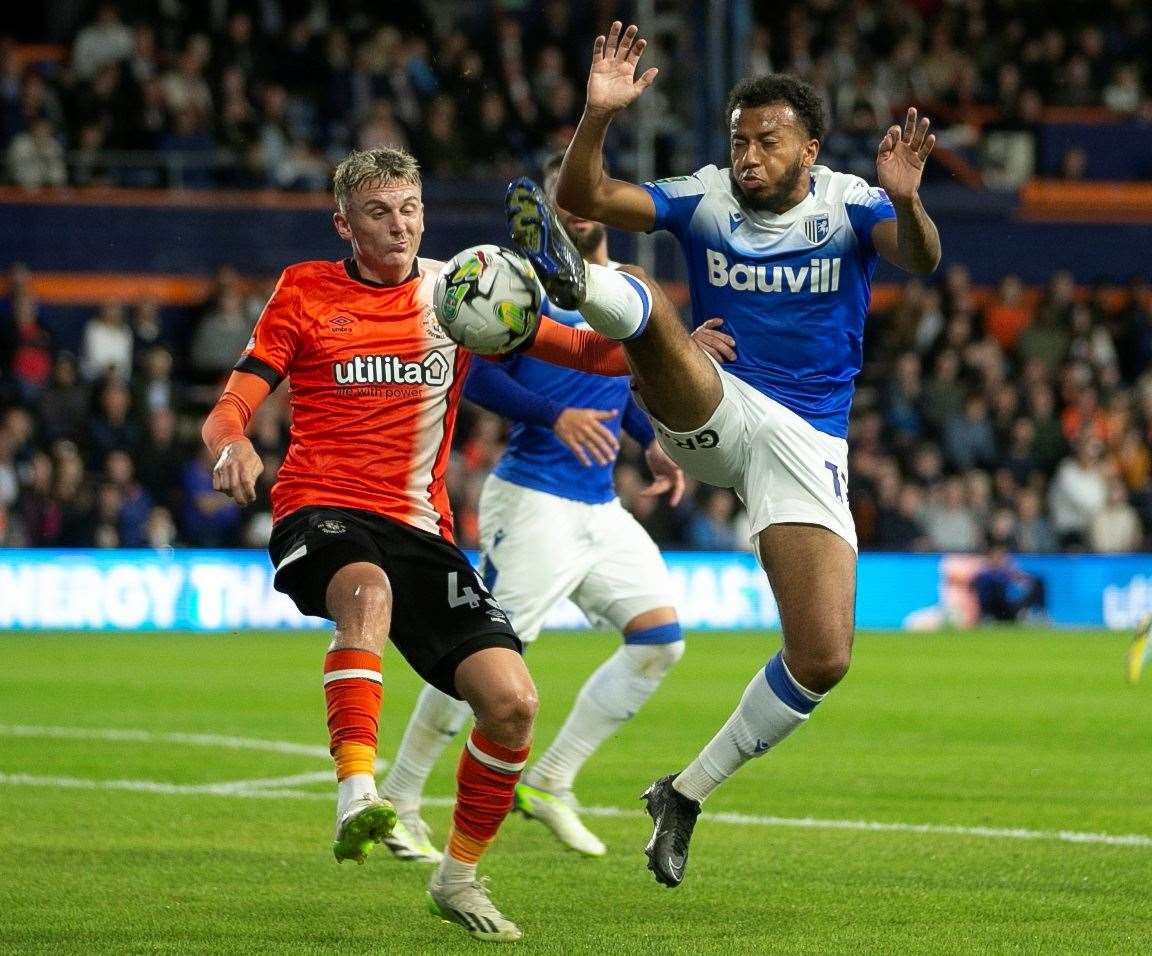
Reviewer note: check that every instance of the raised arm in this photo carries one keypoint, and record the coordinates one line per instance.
(583, 187)
(581, 349)
(910, 241)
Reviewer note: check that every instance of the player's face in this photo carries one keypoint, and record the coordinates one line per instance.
(385, 223)
(772, 154)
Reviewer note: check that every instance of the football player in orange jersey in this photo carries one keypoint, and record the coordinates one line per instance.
(362, 528)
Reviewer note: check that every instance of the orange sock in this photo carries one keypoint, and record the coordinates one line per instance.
(485, 787)
(352, 689)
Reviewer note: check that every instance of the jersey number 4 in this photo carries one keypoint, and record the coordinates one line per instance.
(459, 596)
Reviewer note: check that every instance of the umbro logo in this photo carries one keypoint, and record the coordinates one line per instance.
(497, 538)
(735, 219)
(341, 323)
(762, 746)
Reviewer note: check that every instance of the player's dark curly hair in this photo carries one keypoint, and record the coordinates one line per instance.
(780, 88)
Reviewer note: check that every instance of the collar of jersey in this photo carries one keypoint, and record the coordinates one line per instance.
(353, 272)
(771, 219)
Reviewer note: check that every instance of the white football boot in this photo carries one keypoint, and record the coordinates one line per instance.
(557, 812)
(468, 904)
(410, 839)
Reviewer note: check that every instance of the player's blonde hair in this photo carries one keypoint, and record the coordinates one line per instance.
(382, 164)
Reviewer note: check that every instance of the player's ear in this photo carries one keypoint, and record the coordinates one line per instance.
(811, 151)
(340, 221)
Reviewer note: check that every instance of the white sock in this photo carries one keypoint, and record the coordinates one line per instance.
(353, 787)
(761, 721)
(453, 871)
(435, 720)
(613, 694)
(616, 304)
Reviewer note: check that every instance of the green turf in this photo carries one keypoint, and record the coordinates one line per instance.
(1003, 729)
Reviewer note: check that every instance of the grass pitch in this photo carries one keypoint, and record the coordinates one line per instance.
(137, 816)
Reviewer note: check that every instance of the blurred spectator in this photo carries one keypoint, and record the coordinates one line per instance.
(104, 41)
(221, 336)
(111, 428)
(161, 458)
(1078, 493)
(29, 348)
(36, 157)
(107, 347)
(160, 529)
(1034, 532)
(710, 528)
(135, 502)
(1115, 527)
(949, 521)
(41, 515)
(1005, 592)
(900, 528)
(210, 519)
(64, 403)
(1008, 314)
(968, 438)
(154, 386)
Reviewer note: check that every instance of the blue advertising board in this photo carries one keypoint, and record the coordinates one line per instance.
(232, 590)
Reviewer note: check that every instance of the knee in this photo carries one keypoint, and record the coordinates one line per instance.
(637, 273)
(507, 717)
(653, 661)
(822, 668)
(371, 600)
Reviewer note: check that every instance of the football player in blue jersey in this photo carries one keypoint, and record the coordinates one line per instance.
(783, 250)
(552, 527)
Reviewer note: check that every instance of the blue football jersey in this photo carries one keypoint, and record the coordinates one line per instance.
(793, 289)
(535, 457)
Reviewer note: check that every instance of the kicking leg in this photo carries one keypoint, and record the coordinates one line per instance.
(611, 696)
(812, 571)
(435, 720)
(497, 686)
(679, 383)
(359, 599)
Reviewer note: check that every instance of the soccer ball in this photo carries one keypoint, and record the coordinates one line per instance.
(488, 299)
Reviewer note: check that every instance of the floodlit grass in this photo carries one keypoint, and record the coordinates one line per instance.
(1004, 729)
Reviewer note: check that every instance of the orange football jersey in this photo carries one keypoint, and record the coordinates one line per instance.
(374, 389)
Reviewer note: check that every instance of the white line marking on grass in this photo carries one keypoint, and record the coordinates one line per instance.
(148, 737)
(735, 819)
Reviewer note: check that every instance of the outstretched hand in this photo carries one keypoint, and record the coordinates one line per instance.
(612, 83)
(667, 478)
(902, 155)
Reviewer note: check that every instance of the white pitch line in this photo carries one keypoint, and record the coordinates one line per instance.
(735, 819)
(148, 737)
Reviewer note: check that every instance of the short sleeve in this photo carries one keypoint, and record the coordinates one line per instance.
(866, 205)
(676, 199)
(273, 344)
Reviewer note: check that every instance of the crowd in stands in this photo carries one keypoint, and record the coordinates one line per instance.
(272, 94)
(1011, 420)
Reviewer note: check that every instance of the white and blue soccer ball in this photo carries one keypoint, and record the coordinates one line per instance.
(487, 299)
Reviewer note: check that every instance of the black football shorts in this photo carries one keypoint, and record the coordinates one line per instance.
(441, 611)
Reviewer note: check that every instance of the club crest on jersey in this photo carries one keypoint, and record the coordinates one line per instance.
(431, 324)
(390, 370)
(816, 229)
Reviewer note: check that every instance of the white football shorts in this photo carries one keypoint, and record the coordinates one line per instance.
(783, 469)
(537, 549)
